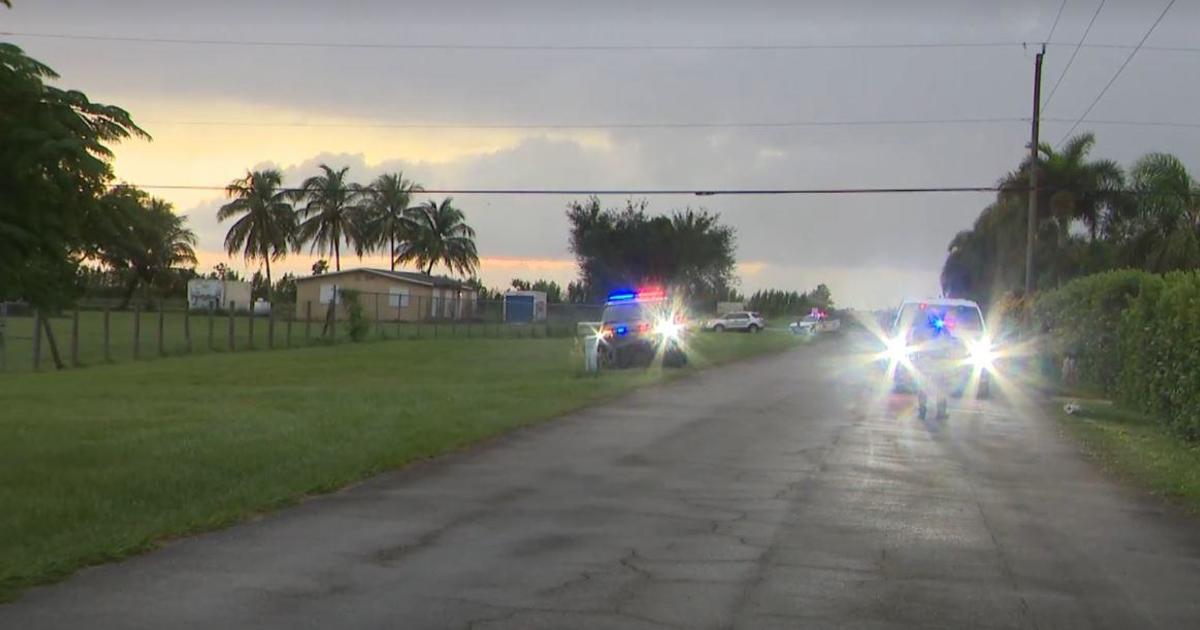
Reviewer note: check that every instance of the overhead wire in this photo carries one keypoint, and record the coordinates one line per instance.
(1118, 72)
(1071, 60)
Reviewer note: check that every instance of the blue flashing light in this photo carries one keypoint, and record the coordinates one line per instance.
(621, 330)
(939, 323)
(622, 296)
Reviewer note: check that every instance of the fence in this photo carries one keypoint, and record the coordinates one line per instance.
(92, 334)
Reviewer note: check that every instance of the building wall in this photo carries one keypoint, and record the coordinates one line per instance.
(382, 298)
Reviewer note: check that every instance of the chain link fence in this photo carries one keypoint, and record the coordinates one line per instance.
(97, 332)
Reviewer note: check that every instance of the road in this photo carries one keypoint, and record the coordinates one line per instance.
(775, 493)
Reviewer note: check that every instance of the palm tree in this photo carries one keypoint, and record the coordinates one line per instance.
(389, 217)
(267, 227)
(442, 238)
(154, 242)
(1164, 229)
(332, 214)
(1071, 187)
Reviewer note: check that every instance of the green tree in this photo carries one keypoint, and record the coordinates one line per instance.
(390, 218)
(155, 242)
(1163, 230)
(266, 228)
(332, 214)
(54, 170)
(320, 267)
(690, 250)
(443, 237)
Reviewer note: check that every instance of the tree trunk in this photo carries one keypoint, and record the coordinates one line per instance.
(129, 293)
(267, 259)
(337, 256)
(430, 269)
(392, 237)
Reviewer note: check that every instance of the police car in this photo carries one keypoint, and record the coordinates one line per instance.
(938, 347)
(640, 326)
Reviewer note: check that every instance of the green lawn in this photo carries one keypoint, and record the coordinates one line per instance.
(1136, 448)
(103, 462)
(17, 354)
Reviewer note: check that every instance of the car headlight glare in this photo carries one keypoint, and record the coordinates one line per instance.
(898, 350)
(667, 328)
(981, 354)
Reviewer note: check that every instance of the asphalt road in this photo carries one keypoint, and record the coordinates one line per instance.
(776, 493)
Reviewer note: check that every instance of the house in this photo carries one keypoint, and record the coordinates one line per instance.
(385, 295)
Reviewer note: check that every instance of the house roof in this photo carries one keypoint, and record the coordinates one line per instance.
(404, 276)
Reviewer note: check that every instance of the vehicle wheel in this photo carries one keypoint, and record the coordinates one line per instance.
(719, 328)
(674, 359)
(753, 328)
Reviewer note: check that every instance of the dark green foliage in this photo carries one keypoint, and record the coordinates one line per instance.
(358, 326)
(54, 168)
(1135, 335)
(689, 250)
(554, 292)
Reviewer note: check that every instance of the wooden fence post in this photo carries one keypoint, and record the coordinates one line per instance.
(37, 341)
(107, 335)
(212, 345)
(250, 341)
(288, 340)
(137, 332)
(187, 329)
(3, 338)
(307, 319)
(75, 338)
(58, 364)
(271, 328)
(162, 351)
(232, 333)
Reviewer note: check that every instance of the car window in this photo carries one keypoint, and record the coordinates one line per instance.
(927, 321)
(631, 311)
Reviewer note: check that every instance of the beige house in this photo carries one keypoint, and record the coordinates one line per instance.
(385, 295)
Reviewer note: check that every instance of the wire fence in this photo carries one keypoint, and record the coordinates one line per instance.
(97, 333)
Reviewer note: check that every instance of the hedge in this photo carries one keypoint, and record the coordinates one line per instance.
(1135, 336)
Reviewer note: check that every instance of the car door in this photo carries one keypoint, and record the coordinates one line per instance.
(740, 321)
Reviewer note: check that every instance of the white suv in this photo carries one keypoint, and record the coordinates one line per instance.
(742, 320)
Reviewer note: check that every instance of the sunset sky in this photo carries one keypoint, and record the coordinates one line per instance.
(220, 107)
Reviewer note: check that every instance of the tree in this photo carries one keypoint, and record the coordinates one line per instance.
(331, 213)
(443, 237)
(390, 219)
(266, 228)
(285, 288)
(320, 267)
(553, 291)
(1162, 232)
(614, 248)
(221, 271)
(54, 169)
(155, 241)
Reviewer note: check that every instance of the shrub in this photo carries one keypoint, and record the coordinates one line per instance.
(1083, 319)
(358, 326)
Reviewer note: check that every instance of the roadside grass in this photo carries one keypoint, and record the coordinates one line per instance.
(103, 463)
(1135, 447)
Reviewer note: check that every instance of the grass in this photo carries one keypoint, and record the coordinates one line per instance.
(104, 462)
(1135, 447)
(17, 354)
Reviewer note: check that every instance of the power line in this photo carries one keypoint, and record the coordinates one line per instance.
(567, 47)
(531, 47)
(590, 125)
(1119, 70)
(1058, 15)
(641, 191)
(1075, 52)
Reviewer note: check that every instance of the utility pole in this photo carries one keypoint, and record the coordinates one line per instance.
(1033, 175)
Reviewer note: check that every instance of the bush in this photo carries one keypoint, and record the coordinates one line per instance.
(1083, 319)
(358, 326)
(1135, 336)
(1160, 349)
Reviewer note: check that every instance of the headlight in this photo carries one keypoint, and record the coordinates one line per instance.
(898, 350)
(667, 328)
(981, 353)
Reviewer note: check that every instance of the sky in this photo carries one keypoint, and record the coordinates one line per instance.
(216, 109)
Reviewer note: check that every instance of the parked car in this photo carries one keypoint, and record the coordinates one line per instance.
(639, 326)
(814, 325)
(747, 321)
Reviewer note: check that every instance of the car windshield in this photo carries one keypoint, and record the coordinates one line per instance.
(922, 322)
(629, 311)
